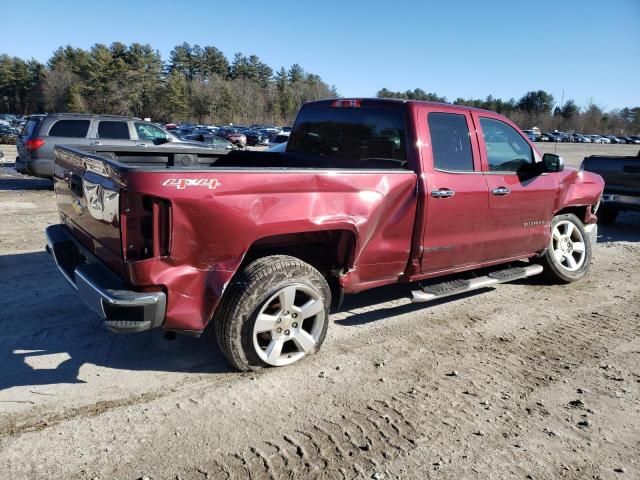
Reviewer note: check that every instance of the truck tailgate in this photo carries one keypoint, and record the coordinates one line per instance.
(621, 174)
(88, 197)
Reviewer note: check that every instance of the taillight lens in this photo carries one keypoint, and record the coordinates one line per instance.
(33, 144)
(145, 226)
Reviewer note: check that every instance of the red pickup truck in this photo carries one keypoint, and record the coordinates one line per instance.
(368, 192)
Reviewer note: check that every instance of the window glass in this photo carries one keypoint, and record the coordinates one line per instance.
(30, 127)
(69, 128)
(113, 130)
(507, 151)
(149, 132)
(450, 142)
(363, 137)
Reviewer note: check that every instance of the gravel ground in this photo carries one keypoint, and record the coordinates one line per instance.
(522, 381)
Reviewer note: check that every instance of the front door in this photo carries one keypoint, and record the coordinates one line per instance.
(521, 199)
(455, 188)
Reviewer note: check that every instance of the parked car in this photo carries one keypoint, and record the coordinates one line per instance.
(635, 139)
(42, 133)
(577, 138)
(214, 141)
(234, 135)
(531, 135)
(280, 138)
(621, 175)
(262, 244)
(8, 135)
(614, 139)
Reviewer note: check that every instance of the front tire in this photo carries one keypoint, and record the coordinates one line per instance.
(568, 255)
(275, 312)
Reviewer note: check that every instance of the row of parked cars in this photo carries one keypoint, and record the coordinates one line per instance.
(254, 135)
(41, 133)
(580, 138)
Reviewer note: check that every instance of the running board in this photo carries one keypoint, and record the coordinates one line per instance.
(454, 287)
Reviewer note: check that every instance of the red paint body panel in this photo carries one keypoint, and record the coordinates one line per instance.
(399, 231)
(213, 230)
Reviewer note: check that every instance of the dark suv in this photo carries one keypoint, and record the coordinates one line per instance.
(42, 133)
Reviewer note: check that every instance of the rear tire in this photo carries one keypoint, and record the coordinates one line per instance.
(607, 215)
(274, 313)
(568, 254)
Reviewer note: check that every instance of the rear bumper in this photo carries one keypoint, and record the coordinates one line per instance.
(622, 202)
(36, 167)
(123, 310)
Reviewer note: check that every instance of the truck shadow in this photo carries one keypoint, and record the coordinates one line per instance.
(47, 335)
(625, 229)
(393, 293)
(11, 180)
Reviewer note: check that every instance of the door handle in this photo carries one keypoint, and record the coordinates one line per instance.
(141, 144)
(96, 143)
(442, 193)
(501, 191)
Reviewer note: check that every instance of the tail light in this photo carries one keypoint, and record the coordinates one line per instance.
(33, 144)
(145, 226)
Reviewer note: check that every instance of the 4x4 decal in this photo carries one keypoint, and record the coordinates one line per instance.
(182, 183)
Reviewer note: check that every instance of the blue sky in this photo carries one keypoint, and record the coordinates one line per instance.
(589, 49)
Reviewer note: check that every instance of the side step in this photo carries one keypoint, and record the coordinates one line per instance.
(453, 287)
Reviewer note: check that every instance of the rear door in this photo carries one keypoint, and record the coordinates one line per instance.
(456, 191)
(521, 200)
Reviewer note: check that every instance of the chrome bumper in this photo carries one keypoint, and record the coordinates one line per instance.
(123, 310)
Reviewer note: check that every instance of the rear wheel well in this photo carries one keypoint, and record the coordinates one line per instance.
(329, 251)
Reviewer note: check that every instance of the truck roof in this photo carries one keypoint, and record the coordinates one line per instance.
(387, 101)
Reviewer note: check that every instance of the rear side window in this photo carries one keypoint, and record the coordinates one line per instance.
(361, 137)
(69, 128)
(507, 151)
(149, 132)
(113, 130)
(29, 128)
(450, 142)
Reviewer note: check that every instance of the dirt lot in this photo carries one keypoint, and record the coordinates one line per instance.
(523, 381)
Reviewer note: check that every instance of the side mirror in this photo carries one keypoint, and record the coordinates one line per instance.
(552, 163)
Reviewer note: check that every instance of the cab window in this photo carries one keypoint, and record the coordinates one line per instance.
(507, 151)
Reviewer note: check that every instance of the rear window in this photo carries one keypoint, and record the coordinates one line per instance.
(29, 128)
(361, 137)
(450, 142)
(113, 130)
(69, 128)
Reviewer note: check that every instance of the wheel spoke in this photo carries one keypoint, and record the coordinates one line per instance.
(274, 350)
(556, 235)
(559, 255)
(265, 323)
(578, 247)
(311, 308)
(571, 261)
(287, 297)
(304, 341)
(569, 230)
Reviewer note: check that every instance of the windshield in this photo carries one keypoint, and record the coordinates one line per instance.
(350, 134)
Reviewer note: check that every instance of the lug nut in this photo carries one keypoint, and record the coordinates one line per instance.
(286, 332)
(279, 330)
(278, 320)
(286, 313)
(295, 325)
(294, 315)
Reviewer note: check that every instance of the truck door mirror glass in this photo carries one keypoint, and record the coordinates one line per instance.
(552, 163)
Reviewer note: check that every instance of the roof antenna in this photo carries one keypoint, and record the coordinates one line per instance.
(555, 147)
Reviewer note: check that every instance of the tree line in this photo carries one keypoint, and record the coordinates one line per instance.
(539, 109)
(196, 84)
